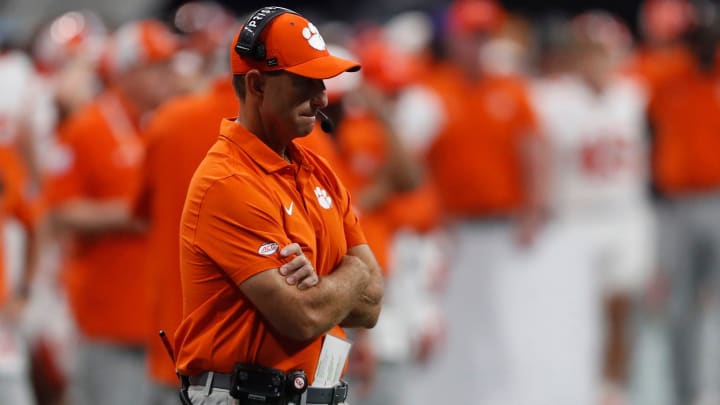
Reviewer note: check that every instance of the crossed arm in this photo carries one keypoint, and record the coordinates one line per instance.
(301, 305)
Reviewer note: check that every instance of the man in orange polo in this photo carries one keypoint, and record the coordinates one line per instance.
(685, 116)
(177, 138)
(89, 192)
(272, 258)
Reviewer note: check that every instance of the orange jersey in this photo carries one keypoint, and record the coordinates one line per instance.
(178, 137)
(475, 161)
(361, 141)
(245, 203)
(13, 202)
(360, 145)
(375, 225)
(104, 273)
(657, 68)
(363, 144)
(686, 120)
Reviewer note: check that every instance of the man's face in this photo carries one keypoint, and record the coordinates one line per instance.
(150, 85)
(290, 103)
(465, 49)
(593, 61)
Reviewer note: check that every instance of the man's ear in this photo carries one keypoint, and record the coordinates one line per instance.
(254, 83)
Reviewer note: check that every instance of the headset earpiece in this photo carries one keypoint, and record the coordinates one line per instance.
(259, 52)
(248, 43)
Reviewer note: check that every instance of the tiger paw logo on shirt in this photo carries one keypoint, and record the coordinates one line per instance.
(323, 198)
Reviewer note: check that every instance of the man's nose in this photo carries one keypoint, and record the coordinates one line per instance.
(320, 98)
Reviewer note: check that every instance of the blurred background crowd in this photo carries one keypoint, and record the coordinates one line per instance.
(540, 184)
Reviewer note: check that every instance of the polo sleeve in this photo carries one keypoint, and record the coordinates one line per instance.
(240, 228)
(64, 171)
(142, 193)
(353, 231)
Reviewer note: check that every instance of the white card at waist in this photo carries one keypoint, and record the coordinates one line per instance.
(333, 356)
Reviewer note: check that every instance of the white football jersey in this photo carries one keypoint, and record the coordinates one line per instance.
(26, 101)
(598, 144)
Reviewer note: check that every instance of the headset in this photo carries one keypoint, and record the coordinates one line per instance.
(248, 42)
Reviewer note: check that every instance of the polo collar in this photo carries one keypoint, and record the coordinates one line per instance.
(262, 154)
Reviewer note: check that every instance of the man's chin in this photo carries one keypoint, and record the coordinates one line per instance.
(305, 128)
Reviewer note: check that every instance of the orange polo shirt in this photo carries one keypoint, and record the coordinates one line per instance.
(324, 146)
(242, 200)
(686, 120)
(361, 142)
(104, 273)
(178, 137)
(475, 161)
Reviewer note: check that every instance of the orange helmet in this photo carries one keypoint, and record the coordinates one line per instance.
(67, 36)
(206, 24)
(137, 43)
(384, 65)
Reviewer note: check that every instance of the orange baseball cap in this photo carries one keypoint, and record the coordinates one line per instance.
(292, 43)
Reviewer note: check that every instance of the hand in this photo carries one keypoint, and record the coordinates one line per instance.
(431, 337)
(373, 99)
(657, 291)
(12, 309)
(362, 364)
(375, 194)
(613, 394)
(299, 270)
(528, 228)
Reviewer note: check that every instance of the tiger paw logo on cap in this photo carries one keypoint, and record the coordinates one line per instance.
(313, 37)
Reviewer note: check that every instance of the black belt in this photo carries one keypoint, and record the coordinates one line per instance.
(315, 395)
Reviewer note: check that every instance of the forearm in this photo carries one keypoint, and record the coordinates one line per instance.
(336, 301)
(536, 171)
(402, 172)
(366, 310)
(92, 217)
(308, 313)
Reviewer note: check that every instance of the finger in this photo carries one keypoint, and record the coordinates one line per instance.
(309, 281)
(291, 249)
(300, 274)
(293, 265)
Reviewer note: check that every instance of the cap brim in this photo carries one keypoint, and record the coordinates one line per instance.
(324, 67)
